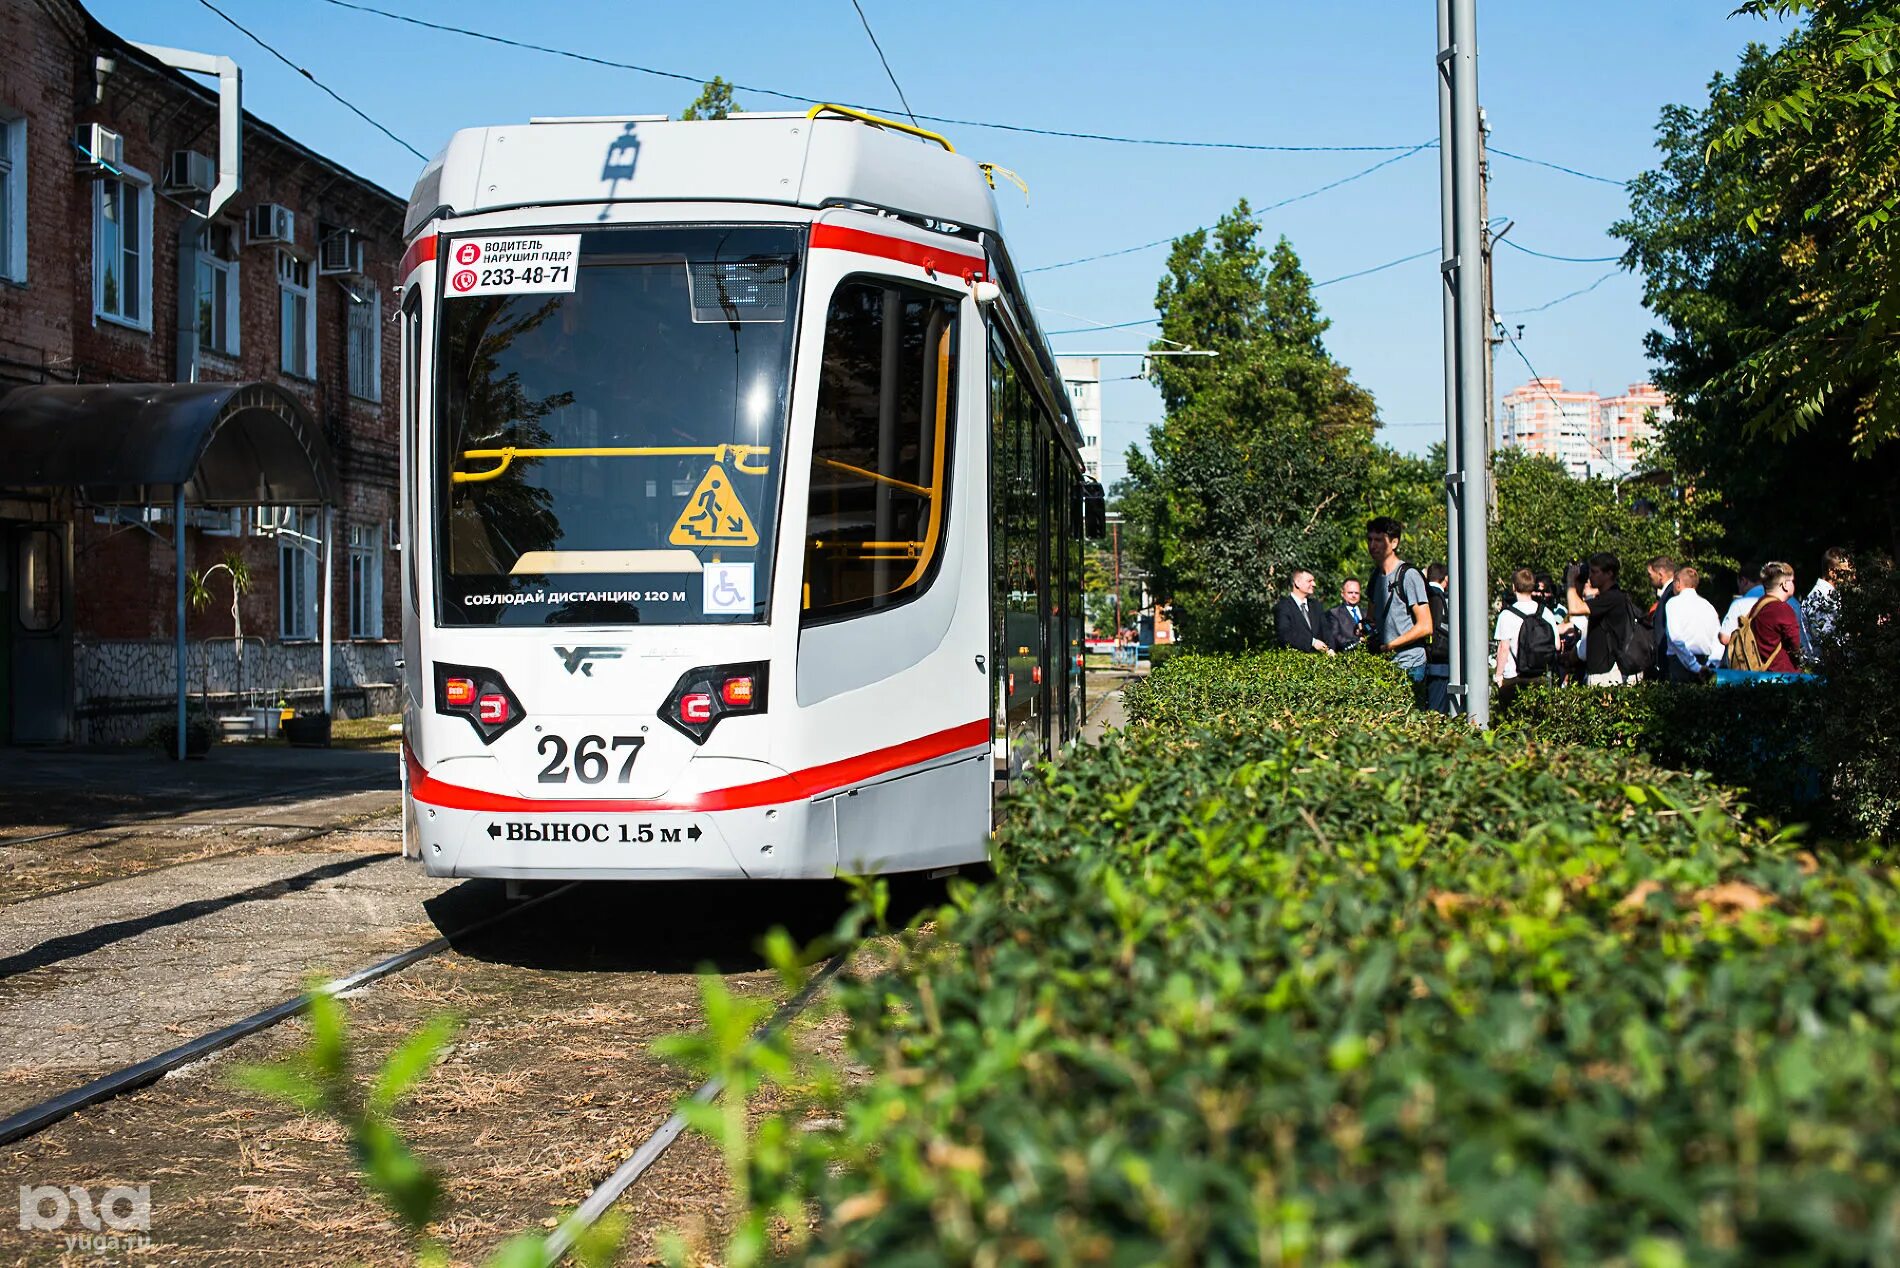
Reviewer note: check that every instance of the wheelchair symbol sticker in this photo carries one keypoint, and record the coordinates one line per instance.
(728, 589)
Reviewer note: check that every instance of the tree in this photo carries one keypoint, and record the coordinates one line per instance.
(714, 102)
(1719, 289)
(1258, 466)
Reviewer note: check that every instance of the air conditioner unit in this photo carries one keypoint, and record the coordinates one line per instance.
(268, 222)
(339, 252)
(190, 172)
(101, 146)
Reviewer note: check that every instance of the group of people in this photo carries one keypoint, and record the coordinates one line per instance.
(1592, 630)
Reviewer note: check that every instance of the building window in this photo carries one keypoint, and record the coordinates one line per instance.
(297, 547)
(122, 249)
(218, 291)
(12, 196)
(880, 448)
(366, 582)
(366, 345)
(297, 317)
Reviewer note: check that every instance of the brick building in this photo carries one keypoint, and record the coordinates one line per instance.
(106, 160)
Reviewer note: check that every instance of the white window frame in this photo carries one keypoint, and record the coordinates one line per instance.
(140, 185)
(366, 581)
(12, 195)
(288, 265)
(363, 342)
(216, 264)
(298, 588)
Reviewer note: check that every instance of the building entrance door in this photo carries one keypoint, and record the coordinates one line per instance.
(36, 633)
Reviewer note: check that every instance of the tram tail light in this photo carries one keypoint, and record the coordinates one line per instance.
(479, 696)
(709, 693)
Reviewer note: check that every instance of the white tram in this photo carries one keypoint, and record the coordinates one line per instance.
(742, 500)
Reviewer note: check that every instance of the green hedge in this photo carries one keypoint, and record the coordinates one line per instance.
(1760, 738)
(1270, 687)
(1371, 994)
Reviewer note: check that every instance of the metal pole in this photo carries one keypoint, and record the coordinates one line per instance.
(178, 563)
(329, 531)
(1448, 274)
(1471, 582)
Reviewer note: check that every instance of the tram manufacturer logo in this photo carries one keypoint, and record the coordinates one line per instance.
(581, 659)
(118, 1220)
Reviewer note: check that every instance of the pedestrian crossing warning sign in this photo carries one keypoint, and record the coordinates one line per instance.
(714, 515)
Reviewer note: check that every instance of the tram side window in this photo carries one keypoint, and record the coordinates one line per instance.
(880, 448)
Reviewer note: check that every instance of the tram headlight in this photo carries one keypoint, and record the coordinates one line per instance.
(704, 695)
(478, 695)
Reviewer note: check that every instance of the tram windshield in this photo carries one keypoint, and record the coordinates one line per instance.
(610, 435)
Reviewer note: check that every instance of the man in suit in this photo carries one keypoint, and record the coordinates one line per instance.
(1297, 618)
(1345, 625)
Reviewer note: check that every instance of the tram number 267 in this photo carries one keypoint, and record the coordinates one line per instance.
(591, 758)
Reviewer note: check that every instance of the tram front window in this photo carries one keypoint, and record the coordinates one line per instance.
(611, 454)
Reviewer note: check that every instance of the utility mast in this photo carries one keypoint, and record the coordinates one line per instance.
(1467, 447)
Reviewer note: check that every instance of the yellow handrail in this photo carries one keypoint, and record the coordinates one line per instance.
(506, 455)
(879, 121)
(935, 528)
(893, 481)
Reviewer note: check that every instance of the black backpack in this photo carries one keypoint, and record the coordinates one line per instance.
(1638, 651)
(1536, 645)
(1438, 646)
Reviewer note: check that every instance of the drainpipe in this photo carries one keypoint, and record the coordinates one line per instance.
(191, 234)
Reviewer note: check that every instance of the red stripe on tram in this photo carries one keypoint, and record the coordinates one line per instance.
(934, 259)
(793, 787)
(420, 252)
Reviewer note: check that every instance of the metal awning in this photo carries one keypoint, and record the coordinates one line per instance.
(135, 444)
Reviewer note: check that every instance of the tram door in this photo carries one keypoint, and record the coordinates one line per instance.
(1017, 616)
(35, 634)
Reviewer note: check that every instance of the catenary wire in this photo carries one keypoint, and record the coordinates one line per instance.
(1284, 202)
(889, 73)
(1556, 404)
(1343, 277)
(342, 101)
(1555, 167)
(611, 63)
(1582, 290)
(1562, 259)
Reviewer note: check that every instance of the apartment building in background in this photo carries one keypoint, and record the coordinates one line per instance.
(1083, 377)
(106, 157)
(1589, 433)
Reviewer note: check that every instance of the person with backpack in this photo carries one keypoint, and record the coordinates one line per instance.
(1398, 607)
(1694, 630)
(1526, 638)
(1768, 636)
(1438, 646)
(1618, 648)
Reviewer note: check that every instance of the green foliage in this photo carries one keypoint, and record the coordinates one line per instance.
(1370, 994)
(715, 101)
(1258, 466)
(197, 584)
(1352, 690)
(319, 1080)
(1754, 737)
(1858, 736)
(201, 732)
(1735, 304)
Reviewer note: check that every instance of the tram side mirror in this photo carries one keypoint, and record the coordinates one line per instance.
(1094, 511)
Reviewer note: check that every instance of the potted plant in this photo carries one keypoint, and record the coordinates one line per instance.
(309, 729)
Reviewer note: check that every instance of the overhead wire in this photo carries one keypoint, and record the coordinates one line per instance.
(1557, 405)
(1561, 259)
(1284, 202)
(1556, 167)
(1582, 290)
(338, 97)
(891, 74)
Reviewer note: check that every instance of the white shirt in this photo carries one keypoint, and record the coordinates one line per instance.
(1694, 630)
(1821, 606)
(1504, 634)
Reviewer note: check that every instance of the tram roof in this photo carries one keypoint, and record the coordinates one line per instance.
(788, 158)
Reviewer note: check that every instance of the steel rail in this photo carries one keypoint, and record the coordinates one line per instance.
(38, 1117)
(597, 1204)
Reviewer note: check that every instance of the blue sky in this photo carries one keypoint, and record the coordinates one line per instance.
(1576, 83)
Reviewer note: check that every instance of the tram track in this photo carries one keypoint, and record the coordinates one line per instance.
(133, 827)
(38, 1117)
